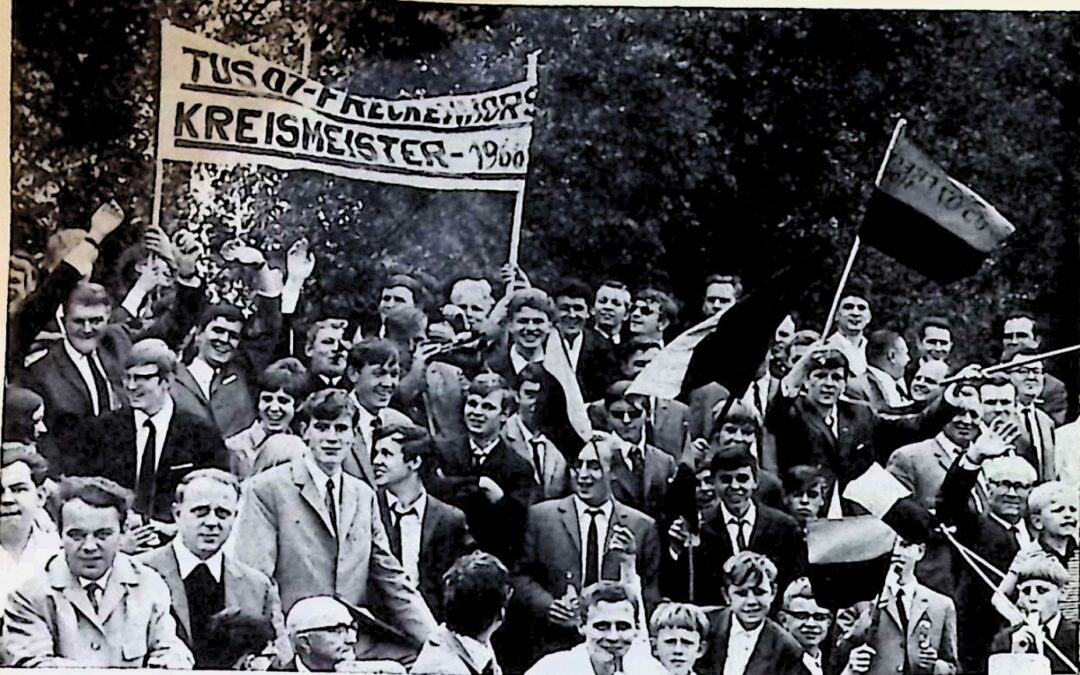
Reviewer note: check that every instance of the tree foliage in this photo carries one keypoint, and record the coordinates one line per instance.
(669, 143)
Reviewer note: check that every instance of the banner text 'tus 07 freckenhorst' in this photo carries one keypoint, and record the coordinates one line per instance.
(221, 104)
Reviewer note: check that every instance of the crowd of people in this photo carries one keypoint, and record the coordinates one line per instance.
(195, 484)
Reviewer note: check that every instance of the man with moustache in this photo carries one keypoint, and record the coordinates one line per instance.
(93, 607)
(316, 530)
(610, 307)
(1021, 331)
(203, 579)
(852, 317)
(591, 355)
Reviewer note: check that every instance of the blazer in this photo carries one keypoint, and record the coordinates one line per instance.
(554, 478)
(285, 533)
(231, 405)
(802, 437)
(246, 588)
(598, 366)
(51, 624)
(358, 461)
(646, 492)
(921, 467)
(1065, 639)
(444, 537)
(67, 399)
(933, 615)
(105, 446)
(1054, 400)
(775, 534)
(776, 651)
(551, 561)
(443, 654)
(499, 527)
(1025, 447)
(667, 427)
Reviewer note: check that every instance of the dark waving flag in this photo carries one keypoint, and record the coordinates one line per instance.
(928, 221)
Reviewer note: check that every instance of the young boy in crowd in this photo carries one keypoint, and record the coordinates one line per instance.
(678, 633)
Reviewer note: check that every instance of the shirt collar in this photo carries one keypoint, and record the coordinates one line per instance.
(518, 360)
(364, 417)
(102, 582)
(952, 448)
(320, 477)
(738, 629)
(606, 508)
(160, 419)
(75, 354)
(482, 452)
(188, 561)
(1052, 625)
(480, 653)
(1000, 521)
(750, 516)
(420, 504)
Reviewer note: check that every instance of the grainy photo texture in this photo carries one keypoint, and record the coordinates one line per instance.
(392, 338)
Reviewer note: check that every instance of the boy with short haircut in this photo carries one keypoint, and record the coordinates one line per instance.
(678, 633)
(742, 639)
(1041, 583)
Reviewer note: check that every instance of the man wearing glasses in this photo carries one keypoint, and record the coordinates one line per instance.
(641, 472)
(809, 623)
(1037, 426)
(324, 637)
(149, 446)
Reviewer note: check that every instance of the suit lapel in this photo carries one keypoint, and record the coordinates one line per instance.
(570, 522)
(185, 379)
(764, 648)
(239, 591)
(123, 575)
(69, 372)
(624, 477)
(302, 478)
(430, 525)
(760, 526)
(171, 575)
(920, 607)
(724, 634)
(350, 507)
(61, 579)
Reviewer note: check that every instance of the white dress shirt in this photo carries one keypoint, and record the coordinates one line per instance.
(626, 448)
(541, 449)
(480, 454)
(203, 374)
(410, 527)
(480, 653)
(160, 420)
(319, 477)
(1038, 443)
(740, 646)
(750, 518)
(812, 663)
(518, 360)
(854, 350)
(82, 364)
(102, 582)
(188, 561)
(573, 349)
(603, 521)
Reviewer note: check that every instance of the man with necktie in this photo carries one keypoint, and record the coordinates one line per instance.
(93, 607)
(1038, 427)
(374, 370)
(524, 435)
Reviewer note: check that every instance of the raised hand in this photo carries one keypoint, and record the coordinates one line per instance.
(300, 261)
(679, 532)
(105, 220)
(995, 440)
(238, 252)
(188, 250)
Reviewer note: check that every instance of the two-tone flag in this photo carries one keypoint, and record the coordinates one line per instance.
(927, 220)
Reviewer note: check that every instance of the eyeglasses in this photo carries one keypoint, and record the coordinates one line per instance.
(141, 377)
(627, 415)
(808, 616)
(1007, 485)
(728, 479)
(339, 629)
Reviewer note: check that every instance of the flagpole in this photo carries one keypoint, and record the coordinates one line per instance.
(519, 199)
(900, 124)
(1011, 365)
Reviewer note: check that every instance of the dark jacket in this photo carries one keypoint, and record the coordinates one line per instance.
(776, 651)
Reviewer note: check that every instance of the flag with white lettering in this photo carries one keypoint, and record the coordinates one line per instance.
(928, 221)
(221, 104)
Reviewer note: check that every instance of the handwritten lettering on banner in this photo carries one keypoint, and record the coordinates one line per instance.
(222, 104)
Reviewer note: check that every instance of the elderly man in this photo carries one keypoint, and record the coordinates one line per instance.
(316, 530)
(324, 637)
(883, 382)
(93, 606)
(203, 579)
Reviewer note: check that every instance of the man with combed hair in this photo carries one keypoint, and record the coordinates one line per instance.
(722, 291)
(1038, 446)
(524, 433)
(202, 579)
(531, 315)
(93, 606)
(1040, 584)
(610, 307)
(325, 638)
(591, 355)
(852, 318)
(883, 382)
(282, 388)
(1020, 330)
(933, 342)
(608, 620)
(473, 297)
(652, 313)
(374, 369)
(25, 545)
(477, 592)
(316, 530)
(149, 446)
(326, 348)
(921, 466)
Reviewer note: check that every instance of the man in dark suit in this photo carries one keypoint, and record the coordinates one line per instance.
(883, 385)
(148, 447)
(426, 534)
(524, 434)
(202, 579)
(737, 524)
(218, 382)
(481, 475)
(820, 427)
(1021, 331)
(592, 356)
(995, 535)
(1038, 427)
(743, 634)
(610, 308)
(81, 375)
(573, 542)
(1041, 584)
(640, 472)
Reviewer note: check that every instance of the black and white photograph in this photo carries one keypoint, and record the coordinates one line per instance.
(409, 338)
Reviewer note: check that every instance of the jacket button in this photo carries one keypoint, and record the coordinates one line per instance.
(95, 646)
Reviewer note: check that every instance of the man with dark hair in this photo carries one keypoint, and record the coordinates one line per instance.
(524, 433)
(315, 529)
(374, 368)
(592, 356)
(281, 387)
(400, 290)
(743, 639)
(481, 475)
(202, 579)
(477, 591)
(921, 466)
(1020, 330)
(608, 620)
(641, 472)
(573, 542)
(722, 291)
(738, 524)
(883, 383)
(93, 606)
(1038, 445)
(148, 447)
(326, 348)
(926, 381)
(25, 546)
(652, 313)
(610, 309)
(852, 318)
(426, 534)
(934, 342)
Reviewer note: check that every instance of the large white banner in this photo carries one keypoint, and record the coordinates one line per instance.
(221, 104)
